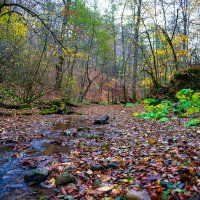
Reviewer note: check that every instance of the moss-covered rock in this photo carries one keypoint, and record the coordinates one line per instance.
(65, 179)
(55, 107)
(185, 78)
(36, 176)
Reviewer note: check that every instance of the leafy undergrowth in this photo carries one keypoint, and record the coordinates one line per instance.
(188, 105)
(162, 159)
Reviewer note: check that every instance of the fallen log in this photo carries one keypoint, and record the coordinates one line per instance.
(5, 114)
(13, 106)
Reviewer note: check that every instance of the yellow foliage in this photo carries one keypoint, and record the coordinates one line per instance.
(79, 55)
(12, 26)
(147, 82)
(179, 40)
(71, 84)
(161, 52)
(112, 83)
(82, 55)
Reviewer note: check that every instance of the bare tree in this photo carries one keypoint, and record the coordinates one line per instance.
(136, 50)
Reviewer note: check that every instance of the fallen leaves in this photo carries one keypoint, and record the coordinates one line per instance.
(164, 160)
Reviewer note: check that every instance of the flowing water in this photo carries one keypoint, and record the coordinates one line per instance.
(12, 185)
(11, 176)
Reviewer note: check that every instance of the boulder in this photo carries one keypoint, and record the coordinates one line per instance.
(113, 165)
(64, 179)
(67, 168)
(97, 167)
(36, 176)
(55, 107)
(137, 195)
(102, 120)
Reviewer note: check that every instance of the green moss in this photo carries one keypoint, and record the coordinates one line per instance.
(26, 113)
(185, 78)
(55, 107)
(93, 137)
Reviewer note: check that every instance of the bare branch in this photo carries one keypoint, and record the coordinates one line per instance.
(33, 14)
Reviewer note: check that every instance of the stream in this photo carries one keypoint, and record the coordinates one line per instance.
(13, 166)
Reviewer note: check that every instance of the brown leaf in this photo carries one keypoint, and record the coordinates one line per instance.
(105, 178)
(63, 191)
(116, 191)
(105, 188)
(92, 191)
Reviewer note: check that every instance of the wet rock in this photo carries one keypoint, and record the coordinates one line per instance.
(36, 176)
(170, 140)
(137, 195)
(102, 120)
(8, 141)
(56, 142)
(70, 132)
(113, 165)
(67, 168)
(97, 167)
(65, 179)
(46, 186)
(29, 164)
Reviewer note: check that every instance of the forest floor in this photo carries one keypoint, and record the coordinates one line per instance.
(100, 161)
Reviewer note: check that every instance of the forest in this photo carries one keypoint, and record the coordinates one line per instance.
(100, 99)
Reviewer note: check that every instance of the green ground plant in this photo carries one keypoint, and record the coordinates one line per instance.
(129, 105)
(188, 104)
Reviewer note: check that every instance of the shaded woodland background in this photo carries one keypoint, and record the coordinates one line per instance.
(71, 49)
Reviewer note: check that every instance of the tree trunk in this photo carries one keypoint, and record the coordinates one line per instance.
(61, 57)
(136, 50)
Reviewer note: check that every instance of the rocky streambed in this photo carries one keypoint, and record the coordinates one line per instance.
(85, 157)
(25, 165)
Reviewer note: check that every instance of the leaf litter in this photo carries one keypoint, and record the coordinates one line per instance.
(127, 153)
